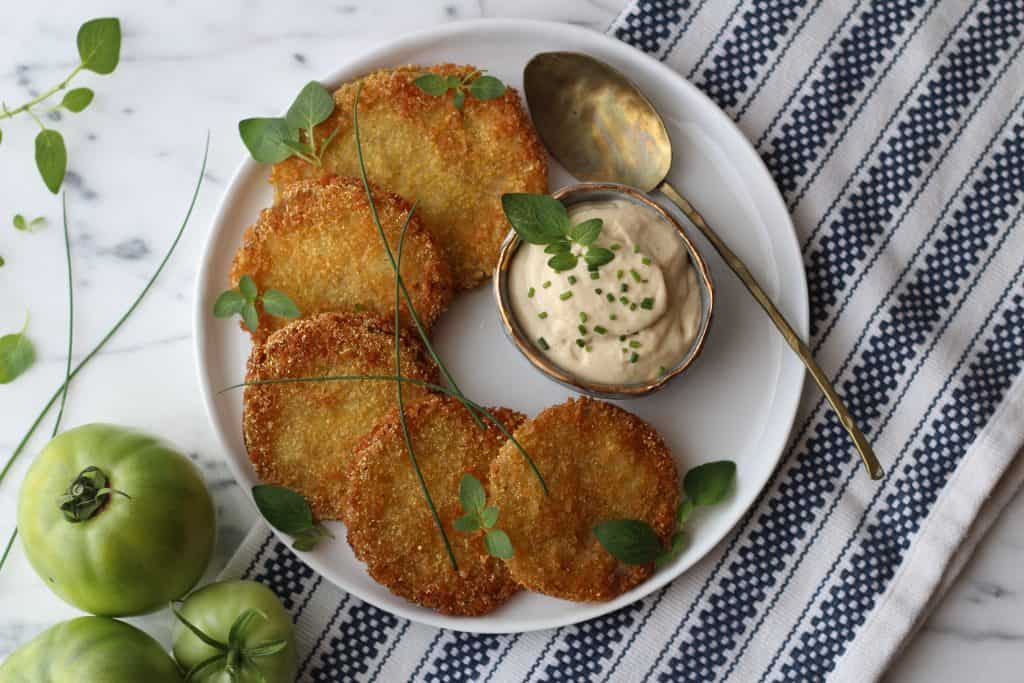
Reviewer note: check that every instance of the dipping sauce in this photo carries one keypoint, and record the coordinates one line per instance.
(630, 321)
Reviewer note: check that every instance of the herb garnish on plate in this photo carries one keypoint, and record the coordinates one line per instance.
(632, 541)
(476, 83)
(289, 512)
(542, 219)
(272, 140)
(242, 301)
(480, 516)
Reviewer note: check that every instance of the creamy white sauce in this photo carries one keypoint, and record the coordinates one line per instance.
(654, 313)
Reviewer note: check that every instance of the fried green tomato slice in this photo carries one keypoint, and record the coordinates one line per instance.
(600, 462)
(390, 527)
(318, 244)
(301, 435)
(456, 162)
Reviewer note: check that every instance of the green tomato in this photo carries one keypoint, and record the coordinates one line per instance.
(114, 521)
(93, 649)
(243, 625)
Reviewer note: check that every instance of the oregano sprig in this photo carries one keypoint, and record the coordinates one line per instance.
(27, 224)
(632, 541)
(99, 51)
(272, 140)
(542, 219)
(289, 512)
(17, 354)
(478, 516)
(476, 83)
(242, 301)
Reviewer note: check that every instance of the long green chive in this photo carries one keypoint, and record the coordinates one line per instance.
(67, 365)
(572, 279)
(542, 315)
(531, 292)
(401, 401)
(647, 303)
(565, 296)
(633, 357)
(636, 275)
(543, 343)
(600, 330)
(113, 330)
(391, 257)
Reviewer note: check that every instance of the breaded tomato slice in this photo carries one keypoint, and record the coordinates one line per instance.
(301, 435)
(600, 463)
(390, 527)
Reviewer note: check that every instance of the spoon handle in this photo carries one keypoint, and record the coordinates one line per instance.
(789, 334)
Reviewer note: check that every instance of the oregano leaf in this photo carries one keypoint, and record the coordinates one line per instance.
(536, 218)
(489, 516)
(486, 88)
(630, 541)
(709, 483)
(250, 317)
(278, 304)
(563, 261)
(313, 105)
(586, 232)
(99, 45)
(51, 158)
(498, 544)
(598, 256)
(247, 286)
(459, 99)
(432, 84)
(229, 303)
(77, 100)
(467, 523)
(284, 509)
(17, 354)
(683, 512)
(472, 494)
(267, 139)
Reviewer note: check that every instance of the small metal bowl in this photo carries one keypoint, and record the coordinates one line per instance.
(587, 192)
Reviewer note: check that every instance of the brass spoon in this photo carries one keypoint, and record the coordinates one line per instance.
(601, 128)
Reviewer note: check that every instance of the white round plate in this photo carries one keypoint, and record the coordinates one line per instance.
(737, 402)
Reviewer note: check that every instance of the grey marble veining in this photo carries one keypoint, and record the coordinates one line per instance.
(190, 68)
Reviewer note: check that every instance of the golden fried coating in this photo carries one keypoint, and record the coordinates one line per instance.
(389, 525)
(319, 246)
(301, 435)
(457, 164)
(600, 462)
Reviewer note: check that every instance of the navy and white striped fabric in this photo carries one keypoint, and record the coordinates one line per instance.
(895, 130)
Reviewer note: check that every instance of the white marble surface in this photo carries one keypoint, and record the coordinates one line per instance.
(189, 67)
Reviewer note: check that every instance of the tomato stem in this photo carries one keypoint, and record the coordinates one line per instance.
(87, 495)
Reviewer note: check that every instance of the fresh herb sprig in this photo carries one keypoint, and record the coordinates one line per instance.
(288, 512)
(476, 83)
(478, 515)
(632, 541)
(242, 301)
(17, 354)
(272, 140)
(99, 51)
(28, 224)
(542, 219)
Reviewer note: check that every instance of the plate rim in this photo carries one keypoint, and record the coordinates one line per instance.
(800, 319)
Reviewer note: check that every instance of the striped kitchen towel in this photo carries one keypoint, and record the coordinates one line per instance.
(895, 131)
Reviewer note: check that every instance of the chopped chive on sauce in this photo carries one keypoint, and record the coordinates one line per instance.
(610, 297)
(599, 291)
(636, 275)
(543, 343)
(542, 315)
(572, 279)
(615, 247)
(594, 275)
(623, 300)
(646, 261)
(647, 304)
(613, 317)
(662, 370)
(619, 273)
(531, 292)
(565, 296)
(589, 349)
(636, 248)
(580, 343)
(584, 317)
(623, 287)
(634, 344)
(598, 329)
(582, 329)
(546, 284)
(634, 357)
(622, 337)
(632, 307)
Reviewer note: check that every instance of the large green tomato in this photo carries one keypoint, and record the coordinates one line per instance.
(114, 521)
(93, 649)
(263, 647)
